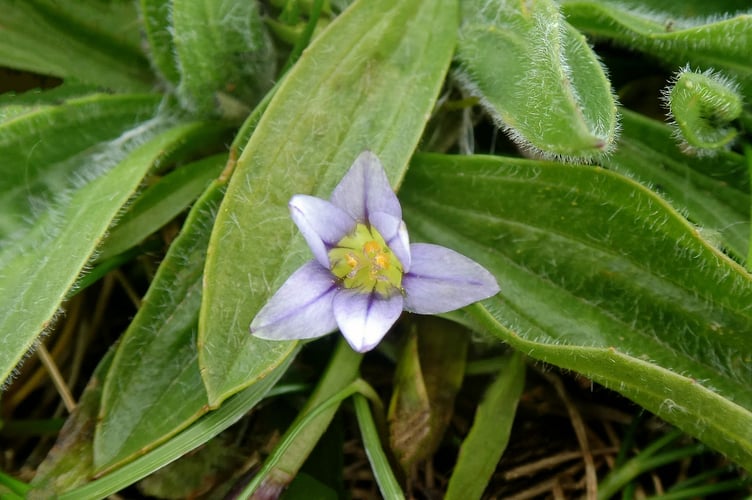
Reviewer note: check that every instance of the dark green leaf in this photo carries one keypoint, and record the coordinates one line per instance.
(157, 27)
(86, 40)
(600, 276)
(718, 42)
(714, 191)
(162, 201)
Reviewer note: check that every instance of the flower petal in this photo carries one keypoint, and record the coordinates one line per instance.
(441, 280)
(365, 189)
(322, 224)
(301, 308)
(364, 319)
(394, 232)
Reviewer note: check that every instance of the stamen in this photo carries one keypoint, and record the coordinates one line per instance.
(364, 262)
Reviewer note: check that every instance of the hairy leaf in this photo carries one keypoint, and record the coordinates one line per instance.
(537, 77)
(714, 191)
(162, 201)
(702, 105)
(44, 168)
(600, 276)
(368, 82)
(223, 50)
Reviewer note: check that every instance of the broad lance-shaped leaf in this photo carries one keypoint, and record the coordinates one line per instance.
(223, 50)
(719, 42)
(600, 276)
(43, 161)
(38, 178)
(88, 40)
(40, 269)
(714, 191)
(368, 82)
(154, 388)
(537, 77)
(189, 439)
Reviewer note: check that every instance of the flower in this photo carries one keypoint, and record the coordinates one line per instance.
(365, 272)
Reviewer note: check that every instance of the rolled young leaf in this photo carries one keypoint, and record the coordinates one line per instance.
(701, 107)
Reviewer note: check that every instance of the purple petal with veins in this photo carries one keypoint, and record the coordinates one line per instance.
(364, 319)
(322, 224)
(365, 189)
(301, 308)
(441, 280)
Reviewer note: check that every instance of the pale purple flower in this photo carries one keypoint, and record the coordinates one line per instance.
(365, 272)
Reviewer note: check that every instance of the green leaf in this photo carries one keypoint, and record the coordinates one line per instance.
(719, 42)
(600, 276)
(223, 50)
(160, 203)
(388, 484)
(13, 105)
(537, 77)
(701, 106)
(368, 82)
(488, 437)
(90, 41)
(340, 373)
(157, 27)
(42, 160)
(40, 268)
(714, 191)
(154, 388)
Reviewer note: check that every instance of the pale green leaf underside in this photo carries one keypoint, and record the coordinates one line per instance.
(368, 82)
(600, 276)
(721, 44)
(537, 77)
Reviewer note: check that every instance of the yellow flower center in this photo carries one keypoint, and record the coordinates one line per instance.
(364, 262)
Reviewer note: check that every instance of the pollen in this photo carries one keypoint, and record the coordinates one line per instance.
(351, 260)
(372, 248)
